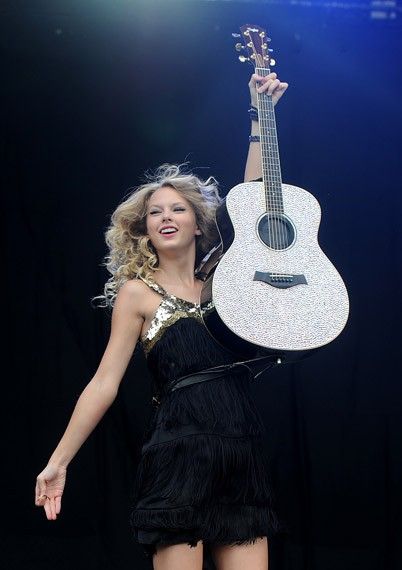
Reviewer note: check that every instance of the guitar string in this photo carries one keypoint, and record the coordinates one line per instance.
(276, 174)
(264, 169)
(273, 173)
(267, 171)
(267, 147)
(264, 133)
(267, 141)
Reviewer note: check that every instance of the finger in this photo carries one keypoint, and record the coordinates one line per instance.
(52, 508)
(267, 86)
(274, 85)
(283, 86)
(268, 78)
(256, 77)
(47, 509)
(40, 488)
(258, 80)
(41, 496)
(40, 502)
(58, 505)
(279, 91)
(277, 94)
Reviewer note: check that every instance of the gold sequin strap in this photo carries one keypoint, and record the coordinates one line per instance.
(154, 286)
(170, 310)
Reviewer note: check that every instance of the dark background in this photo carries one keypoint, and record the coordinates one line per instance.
(93, 94)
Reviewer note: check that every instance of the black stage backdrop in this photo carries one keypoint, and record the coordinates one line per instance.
(94, 93)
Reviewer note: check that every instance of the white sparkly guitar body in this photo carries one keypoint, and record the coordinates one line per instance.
(286, 296)
(273, 288)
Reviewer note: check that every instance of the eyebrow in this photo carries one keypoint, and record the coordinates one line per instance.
(174, 204)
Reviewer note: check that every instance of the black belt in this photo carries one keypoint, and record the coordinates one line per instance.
(218, 372)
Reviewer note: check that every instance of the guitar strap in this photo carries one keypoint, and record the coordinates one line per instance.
(254, 366)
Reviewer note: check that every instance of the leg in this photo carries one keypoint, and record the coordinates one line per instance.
(180, 556)
(250, 556)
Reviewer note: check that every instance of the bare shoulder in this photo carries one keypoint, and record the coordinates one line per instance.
(131, 297)
(133, 288)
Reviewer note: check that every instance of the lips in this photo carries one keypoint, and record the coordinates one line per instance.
(168, 230)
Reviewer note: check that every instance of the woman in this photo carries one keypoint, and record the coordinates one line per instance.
(202, 478)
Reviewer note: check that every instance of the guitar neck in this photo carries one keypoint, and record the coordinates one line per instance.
(271, 167)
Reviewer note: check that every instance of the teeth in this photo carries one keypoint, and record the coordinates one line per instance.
(168, 231)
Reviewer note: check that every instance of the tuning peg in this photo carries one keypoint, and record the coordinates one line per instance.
(270, 49)
(236, 35)
(272, 62)
(239, 47)
(243, 58)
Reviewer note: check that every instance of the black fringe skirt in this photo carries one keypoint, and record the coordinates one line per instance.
(203, 473)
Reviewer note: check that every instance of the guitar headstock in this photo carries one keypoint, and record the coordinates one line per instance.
(256, 45)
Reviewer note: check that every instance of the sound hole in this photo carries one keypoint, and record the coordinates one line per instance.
(276, 231)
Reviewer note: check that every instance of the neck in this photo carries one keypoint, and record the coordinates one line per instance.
(176, 268)
(271, 168)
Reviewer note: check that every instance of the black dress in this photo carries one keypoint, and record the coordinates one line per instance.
(202, 474)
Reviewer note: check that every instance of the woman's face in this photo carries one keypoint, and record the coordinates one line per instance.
(170, 220)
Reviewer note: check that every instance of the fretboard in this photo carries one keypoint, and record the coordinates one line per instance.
(271, 167)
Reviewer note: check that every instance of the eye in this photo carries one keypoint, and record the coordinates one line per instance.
(179, 209)
(153, 212)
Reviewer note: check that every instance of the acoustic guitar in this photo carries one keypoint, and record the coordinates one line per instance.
(274, 289)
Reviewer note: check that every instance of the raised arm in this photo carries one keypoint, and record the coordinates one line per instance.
(96, 398)
(276, 88)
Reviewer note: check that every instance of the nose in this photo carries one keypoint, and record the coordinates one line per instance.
(166, 216)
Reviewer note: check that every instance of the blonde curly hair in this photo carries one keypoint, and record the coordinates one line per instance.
(131, 254)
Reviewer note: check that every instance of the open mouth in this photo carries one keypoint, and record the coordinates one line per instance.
(168, 231)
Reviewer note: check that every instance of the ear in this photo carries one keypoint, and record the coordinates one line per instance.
(197, 232)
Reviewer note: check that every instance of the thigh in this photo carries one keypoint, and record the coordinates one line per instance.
(181, 556)
(235, 557)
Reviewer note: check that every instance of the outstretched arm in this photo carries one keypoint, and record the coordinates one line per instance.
(273, 86)
(95, 399)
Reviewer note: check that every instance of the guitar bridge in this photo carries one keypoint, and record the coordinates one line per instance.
(280, 280)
